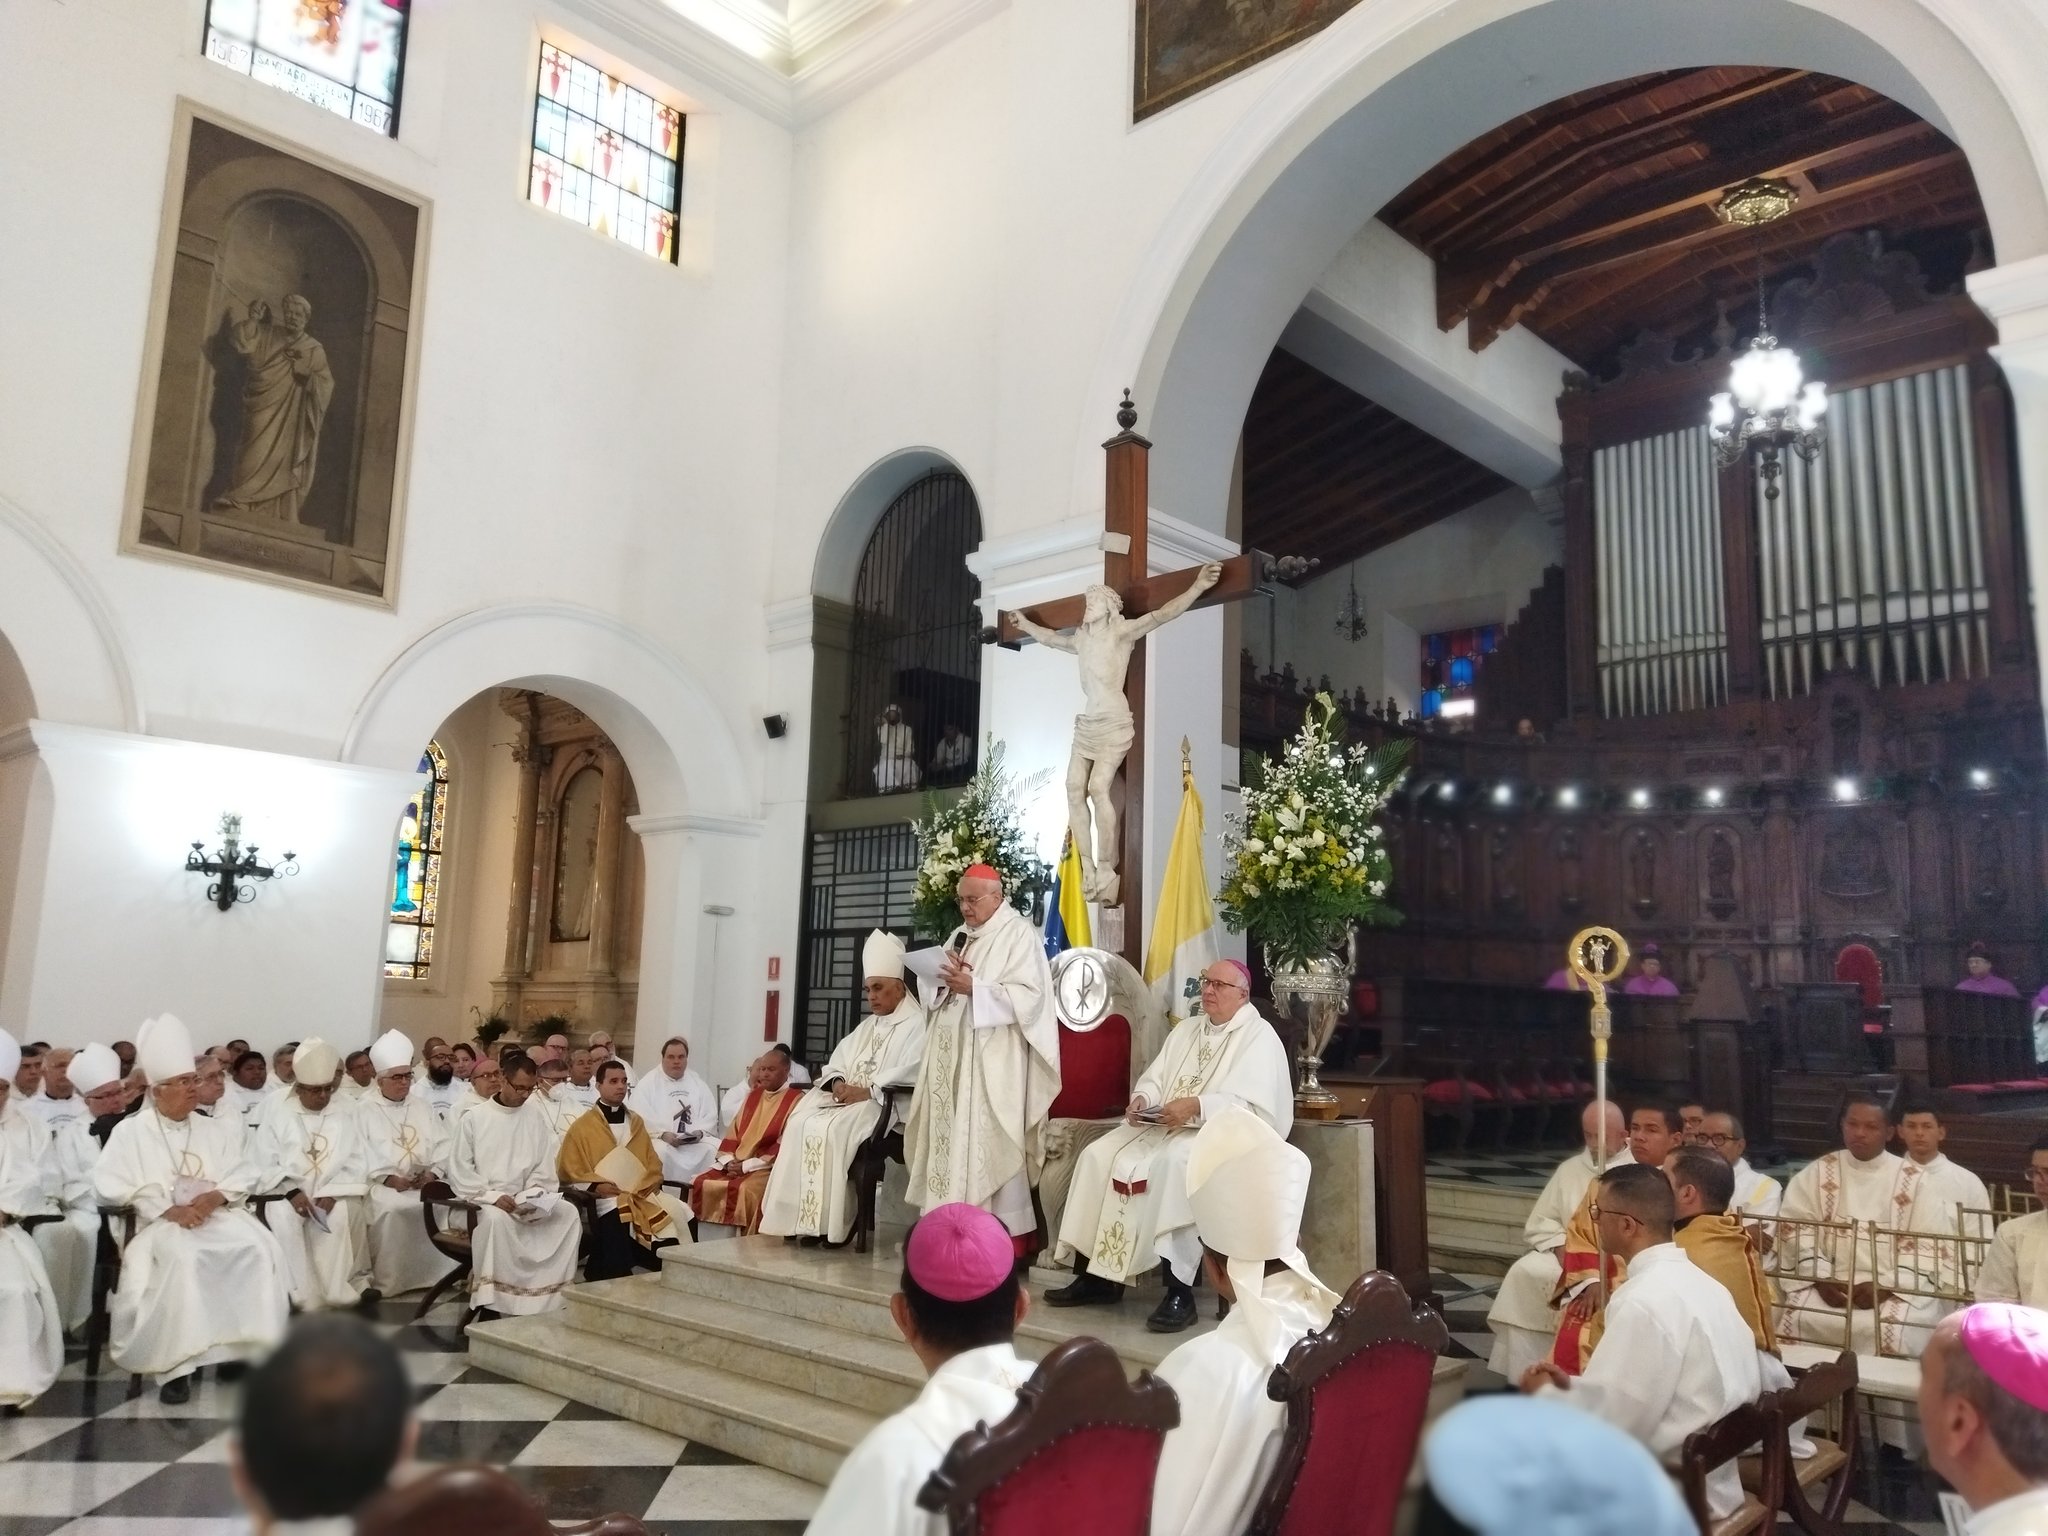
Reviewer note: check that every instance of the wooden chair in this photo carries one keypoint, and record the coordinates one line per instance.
(1356, 1393)
(450, 1241)
(1079, 1451)
(463, 1500)
(1828, 1390)
(106, 1276)
(1721, 1443)
(871, 1162)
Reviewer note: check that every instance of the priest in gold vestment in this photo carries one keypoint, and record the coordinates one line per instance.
(607, 1150)
(729, 1192)
(1654, 1132)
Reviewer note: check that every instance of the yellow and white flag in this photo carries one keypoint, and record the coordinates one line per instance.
(1184, 924)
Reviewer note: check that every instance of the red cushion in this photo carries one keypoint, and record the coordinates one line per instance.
(1513, 1094)
(1970, 1088)
(1450, 1091)
(1106, 1472)
(2024, 1085)
(1859, 963)
(1365, 1418)
(1095, 1071)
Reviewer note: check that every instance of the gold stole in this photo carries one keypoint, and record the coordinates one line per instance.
(1723, 1247)
(589, 1142)
(1579, 1259)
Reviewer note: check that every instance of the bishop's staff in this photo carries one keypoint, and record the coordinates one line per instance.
(1598, 956)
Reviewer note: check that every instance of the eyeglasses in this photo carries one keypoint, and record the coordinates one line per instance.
(2037, 1173)
(1717, 1138)
(1593, 1210)
(1211, 981)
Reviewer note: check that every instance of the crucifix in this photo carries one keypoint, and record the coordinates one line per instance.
(1108, 624)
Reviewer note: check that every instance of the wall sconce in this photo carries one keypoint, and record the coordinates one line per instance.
(232, 863)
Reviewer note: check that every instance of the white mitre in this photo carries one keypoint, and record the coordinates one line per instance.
(881, 955)
(93, 1067)
(391, 1051)
(10, 1056)
(1247, 1189)
(163, 1049)
(314, 1063)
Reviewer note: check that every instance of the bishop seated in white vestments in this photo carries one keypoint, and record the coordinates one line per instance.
(525, 1236)
(958, 1308)
(204, 1281)
(31, 1324)
(681, 1114)
(69, 1246)
(1676, 1355)
(810, 1193)
(310, 1150)
(1247, 1188)
(2016, 1267)
(406, 1146)
(991, 1064)
(1127, 1209)
(1984, 1407)
(1524, 1316)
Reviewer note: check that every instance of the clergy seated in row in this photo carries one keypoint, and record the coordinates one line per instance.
(1919, 1193)
(991, 1065)
(1650, 980)
(1980, 974)
(550, 1103)
(406, 1147)
(681, 1114)
(1654, 1133)
(248, 1087)
(524, 1236)
(31, 1322)
(608, 1152)
(358, 1078)
(1757, 1195)
(728, 1195)
(1984, 1409)
(485, 1079)
(810, 1191)
(58, 1098)
(70, 1246)
(310, 1150)
(438, 1085)
(2016, 1267)
(603, 1049)
(958, 1305)
(1247, 1188)
(203, 1282)
(1127, 1210)
(1717, 1240)
(580, 1089)
(1675, 1355)
(1523, 1317)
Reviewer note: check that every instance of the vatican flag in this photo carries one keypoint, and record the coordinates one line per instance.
(1184, 925)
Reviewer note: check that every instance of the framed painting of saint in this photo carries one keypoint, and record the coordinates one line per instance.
(1185, 46)
(275, 412)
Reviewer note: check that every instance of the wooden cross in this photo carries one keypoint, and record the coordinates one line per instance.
(1124, 567)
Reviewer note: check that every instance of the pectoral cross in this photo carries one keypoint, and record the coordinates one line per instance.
(1126, 570)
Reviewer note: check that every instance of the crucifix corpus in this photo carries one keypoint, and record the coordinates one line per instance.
(1108, 625)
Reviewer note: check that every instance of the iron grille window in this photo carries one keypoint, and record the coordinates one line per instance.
(859, 880)
(916, 644)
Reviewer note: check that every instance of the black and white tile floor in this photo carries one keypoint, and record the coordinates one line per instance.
(87, 1460)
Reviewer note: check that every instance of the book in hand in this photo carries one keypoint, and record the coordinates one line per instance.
(1151, 1114)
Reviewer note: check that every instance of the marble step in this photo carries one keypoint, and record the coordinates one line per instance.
(773, 1425)
(1476, 1228)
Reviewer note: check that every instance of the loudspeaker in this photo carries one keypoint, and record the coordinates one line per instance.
(777, 726)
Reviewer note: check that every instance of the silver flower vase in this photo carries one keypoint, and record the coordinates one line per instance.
(1315, 993)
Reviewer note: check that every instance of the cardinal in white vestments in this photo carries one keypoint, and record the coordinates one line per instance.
(991, 1065)
(1676, 1355)
(1127, 1209)
(958, 1309)
(1247, 1189)
(31, 1323)
(203, 1281)
(681, 1114)
(525, 1236)
(810, 1193)
(310, 1149)
(1523, 1317)
(70, 1246)
(406, 1146)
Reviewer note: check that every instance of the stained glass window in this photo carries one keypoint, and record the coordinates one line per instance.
(345, 55)
(607, 155)
(1451, 661)
(416, 882)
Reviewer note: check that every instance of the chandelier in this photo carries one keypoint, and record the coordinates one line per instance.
(1351, 617)
(1768, 406)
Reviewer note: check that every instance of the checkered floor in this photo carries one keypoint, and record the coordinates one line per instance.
(1901, 1495)
(87, 1459)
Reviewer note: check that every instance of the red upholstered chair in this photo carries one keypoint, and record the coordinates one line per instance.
(1355, 1394)
(1858, 963)
(1095, 1071)
(1077, 1453)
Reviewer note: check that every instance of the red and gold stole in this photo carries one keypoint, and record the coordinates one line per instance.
(756, 1132)
(1580, 1259)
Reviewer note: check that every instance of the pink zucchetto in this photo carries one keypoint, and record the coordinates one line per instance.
(2010, 1345)
(959, 1253)
(1237, 969)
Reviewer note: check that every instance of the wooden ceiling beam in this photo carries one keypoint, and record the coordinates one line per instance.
(1333, 457)
(1447, 501)
(1307, 527)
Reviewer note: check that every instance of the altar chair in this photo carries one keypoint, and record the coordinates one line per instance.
(1930, 1274)
(449, 1240)
(1717, 1445)
(1356, 1393)
(1859, 965)
(1080, 1438)
(871, 1163)
(467, 1500)
(1825, 1397)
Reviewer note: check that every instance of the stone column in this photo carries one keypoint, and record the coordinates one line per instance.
(604, 898)
(703, 914)
(2015, 296)
(531, 757)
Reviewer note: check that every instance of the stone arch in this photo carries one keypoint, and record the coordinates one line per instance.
(1392, 87)
(853, 521)
(72, 660)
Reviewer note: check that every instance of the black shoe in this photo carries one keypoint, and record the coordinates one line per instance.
(1176, 1311)
(179, 1391)
(370, 1297)
(1086, 1290)
(231, 1370)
